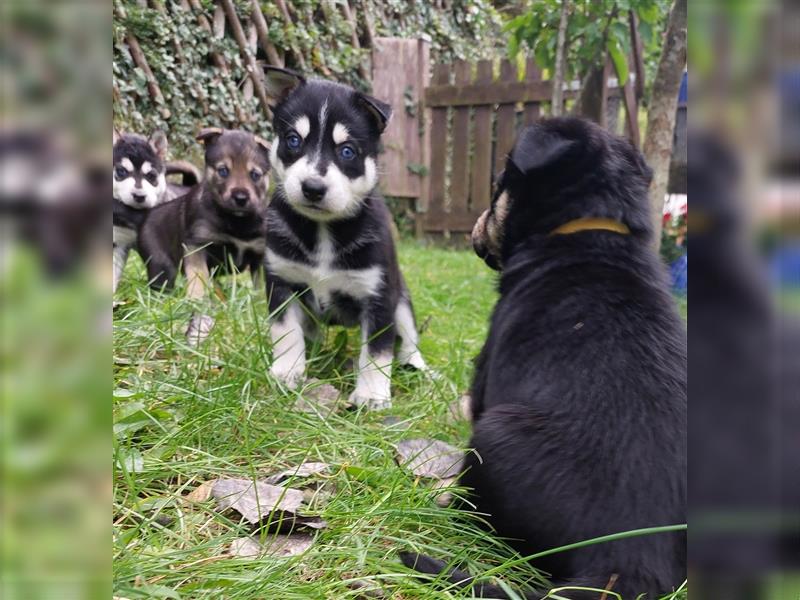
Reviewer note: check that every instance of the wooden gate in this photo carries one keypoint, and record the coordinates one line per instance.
(476, 115)
(474, 122)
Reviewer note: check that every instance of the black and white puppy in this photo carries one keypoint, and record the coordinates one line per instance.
(139, 185)
(579, 394)
(219, 223)
(330, 250)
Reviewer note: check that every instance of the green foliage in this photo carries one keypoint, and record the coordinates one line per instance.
(592, 28)
(320, 34)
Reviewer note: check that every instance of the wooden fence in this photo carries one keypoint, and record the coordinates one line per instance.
(477, 112)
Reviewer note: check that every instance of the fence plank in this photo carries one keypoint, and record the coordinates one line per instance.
(481, 184)
(439, 147)
(532, 109)
(506, 117)
(459, 170)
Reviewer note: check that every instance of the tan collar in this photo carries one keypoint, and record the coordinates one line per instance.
(589, 224)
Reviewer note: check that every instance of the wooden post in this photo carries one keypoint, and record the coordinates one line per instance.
(141, 62)
(247, 57)
(263, 35)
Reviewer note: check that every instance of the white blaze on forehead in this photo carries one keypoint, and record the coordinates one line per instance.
(146, 167)
(340, 133)
(323, 117)
(302, 126)
(126, 162)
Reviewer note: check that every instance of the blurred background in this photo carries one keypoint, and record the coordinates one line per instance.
(180, 65)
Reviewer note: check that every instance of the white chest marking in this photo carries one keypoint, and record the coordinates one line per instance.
(322, 278)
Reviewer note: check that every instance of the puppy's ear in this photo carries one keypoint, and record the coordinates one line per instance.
(379, 111)
(263, 144)
(159, 143)
(209, 135)
(115, 136)
(537, 148)
(279, 83)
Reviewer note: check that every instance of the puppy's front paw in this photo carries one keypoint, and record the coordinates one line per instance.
(290, 375)
(370, 400)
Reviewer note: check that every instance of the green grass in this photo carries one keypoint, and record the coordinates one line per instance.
(186, 416)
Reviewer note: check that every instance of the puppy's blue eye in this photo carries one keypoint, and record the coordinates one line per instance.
(293, 141)
(223, 172)
(347, 152)
(255, 176)
(121, 172)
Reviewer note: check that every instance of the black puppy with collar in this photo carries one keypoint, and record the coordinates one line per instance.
(330, 253)
(579, 395)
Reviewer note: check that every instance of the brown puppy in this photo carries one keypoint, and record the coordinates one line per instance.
(220, 223)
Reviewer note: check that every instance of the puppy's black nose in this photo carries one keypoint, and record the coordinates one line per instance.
(139, 198)
(240, 197)
(314, 189)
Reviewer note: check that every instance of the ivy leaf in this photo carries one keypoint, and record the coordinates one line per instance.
(647, 12)
(619, 60)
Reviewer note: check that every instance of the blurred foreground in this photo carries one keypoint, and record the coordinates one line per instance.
(744, 341)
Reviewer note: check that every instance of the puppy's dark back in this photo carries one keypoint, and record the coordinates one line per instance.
(580, 391)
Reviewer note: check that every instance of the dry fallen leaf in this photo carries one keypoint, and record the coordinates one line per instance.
(318, 398)
(202, 492)
(245, 547)
(429, 458)
(199, 329)
(305, 470)
(287, 545)
(255, 501)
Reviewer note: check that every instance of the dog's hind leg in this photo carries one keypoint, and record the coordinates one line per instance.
(406, 326)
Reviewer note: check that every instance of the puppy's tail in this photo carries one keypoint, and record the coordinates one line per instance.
(190, 174)
(436, 568)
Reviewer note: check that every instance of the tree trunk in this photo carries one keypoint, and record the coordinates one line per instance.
(592, 98)
(662, 111)
(557, 102)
